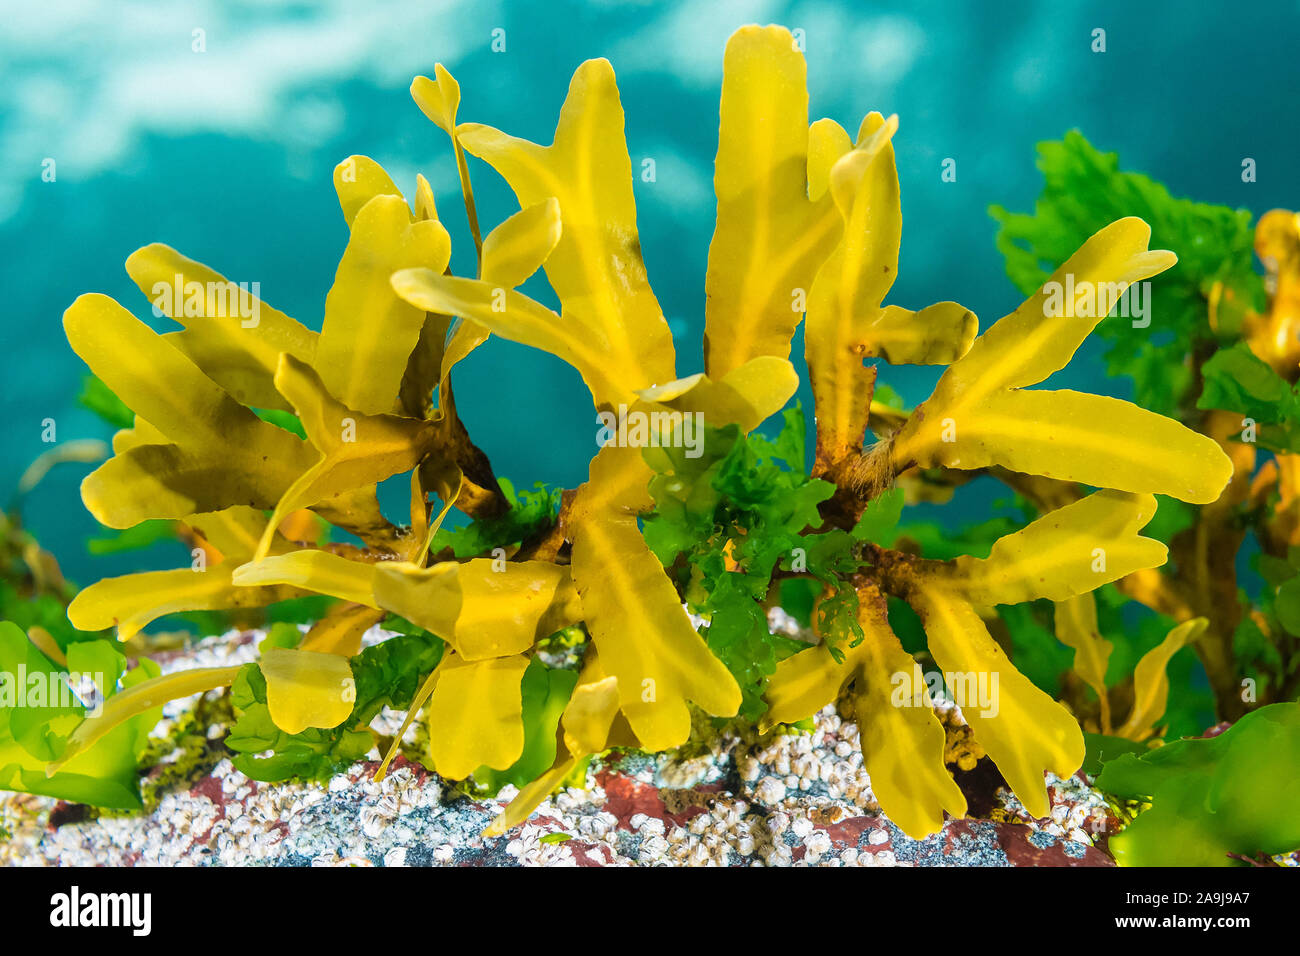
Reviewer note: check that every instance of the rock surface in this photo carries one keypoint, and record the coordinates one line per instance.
(784, 800)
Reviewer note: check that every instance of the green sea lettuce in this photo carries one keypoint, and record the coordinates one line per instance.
(1213, 799)
(34, 732)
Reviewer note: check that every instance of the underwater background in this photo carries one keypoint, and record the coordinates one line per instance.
(227, 156)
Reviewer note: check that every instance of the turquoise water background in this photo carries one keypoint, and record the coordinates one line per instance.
(227, 155)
